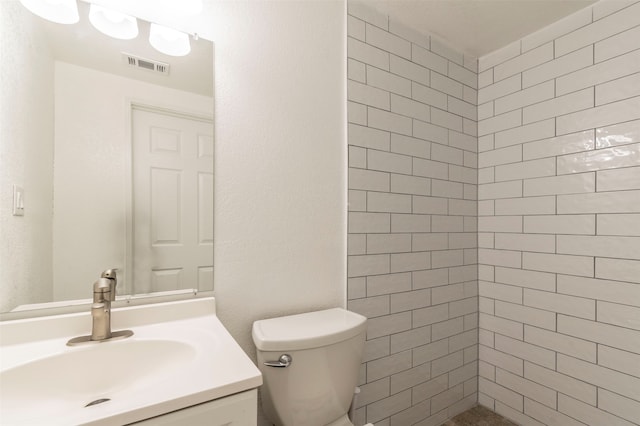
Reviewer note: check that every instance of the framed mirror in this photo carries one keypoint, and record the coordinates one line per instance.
(106, 159)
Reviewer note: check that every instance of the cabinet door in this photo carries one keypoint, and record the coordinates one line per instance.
(235, 410)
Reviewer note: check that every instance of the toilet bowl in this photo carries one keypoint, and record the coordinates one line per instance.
(309, 364)
(342, 421)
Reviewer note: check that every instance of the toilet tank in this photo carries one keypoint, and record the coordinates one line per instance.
(326, 350)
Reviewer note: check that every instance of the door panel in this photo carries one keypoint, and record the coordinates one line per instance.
(172, 202)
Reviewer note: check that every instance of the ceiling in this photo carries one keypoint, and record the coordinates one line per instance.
(478, 27)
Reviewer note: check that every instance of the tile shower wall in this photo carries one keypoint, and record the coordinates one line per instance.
(412, 243)
(559, 222)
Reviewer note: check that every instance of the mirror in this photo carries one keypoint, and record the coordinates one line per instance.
(108, 146)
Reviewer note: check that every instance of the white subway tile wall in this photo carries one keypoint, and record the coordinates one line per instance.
(412, 246)
(546, 134)
(559, 222)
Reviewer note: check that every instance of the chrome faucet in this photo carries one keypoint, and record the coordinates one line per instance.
(104, 292)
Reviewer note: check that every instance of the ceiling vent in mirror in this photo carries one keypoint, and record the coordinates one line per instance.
(146, 64)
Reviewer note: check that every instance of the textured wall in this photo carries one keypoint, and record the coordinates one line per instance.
(26, 157)
(280, 204)
(412, 220)
(559, 222)
(280, 165)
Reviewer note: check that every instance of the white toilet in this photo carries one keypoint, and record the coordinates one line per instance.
(310, 363)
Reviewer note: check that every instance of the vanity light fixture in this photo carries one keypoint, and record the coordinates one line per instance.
(58, 11)
(116, 24)
(112, 23)
(169, 41)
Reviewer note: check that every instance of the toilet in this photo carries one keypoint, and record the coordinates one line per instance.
(310, 364)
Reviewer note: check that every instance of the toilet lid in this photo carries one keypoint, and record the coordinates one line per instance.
(308, 330)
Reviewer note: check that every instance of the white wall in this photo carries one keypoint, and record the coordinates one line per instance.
(26, 152)
(92, 170)
(280, 213)
(559, 222)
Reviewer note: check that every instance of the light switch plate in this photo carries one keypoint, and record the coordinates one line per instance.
(18, 200)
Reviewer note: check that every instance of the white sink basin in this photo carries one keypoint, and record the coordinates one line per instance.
(185, 357)
(63, 382)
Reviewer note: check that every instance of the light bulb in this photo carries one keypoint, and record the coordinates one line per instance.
(169, 41)
(58, 11)
(113, 23)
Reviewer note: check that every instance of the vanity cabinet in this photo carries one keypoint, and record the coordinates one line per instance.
(180, 367)
(240, 409)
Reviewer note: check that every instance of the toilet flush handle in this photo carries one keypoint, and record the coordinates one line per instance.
(282, 362)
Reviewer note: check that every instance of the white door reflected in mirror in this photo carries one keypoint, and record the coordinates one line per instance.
(172, 202)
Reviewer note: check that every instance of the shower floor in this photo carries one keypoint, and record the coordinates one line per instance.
(479, 416)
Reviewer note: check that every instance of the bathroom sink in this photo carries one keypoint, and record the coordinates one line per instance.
(100, 372)
(175, 359)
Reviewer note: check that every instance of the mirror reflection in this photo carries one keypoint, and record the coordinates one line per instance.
(107, 162)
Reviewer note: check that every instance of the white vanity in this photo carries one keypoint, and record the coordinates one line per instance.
(181, 366)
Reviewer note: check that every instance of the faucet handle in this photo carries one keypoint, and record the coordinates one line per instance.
(109, 273)
(102, 285)
(102, 290)
(113, 279)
